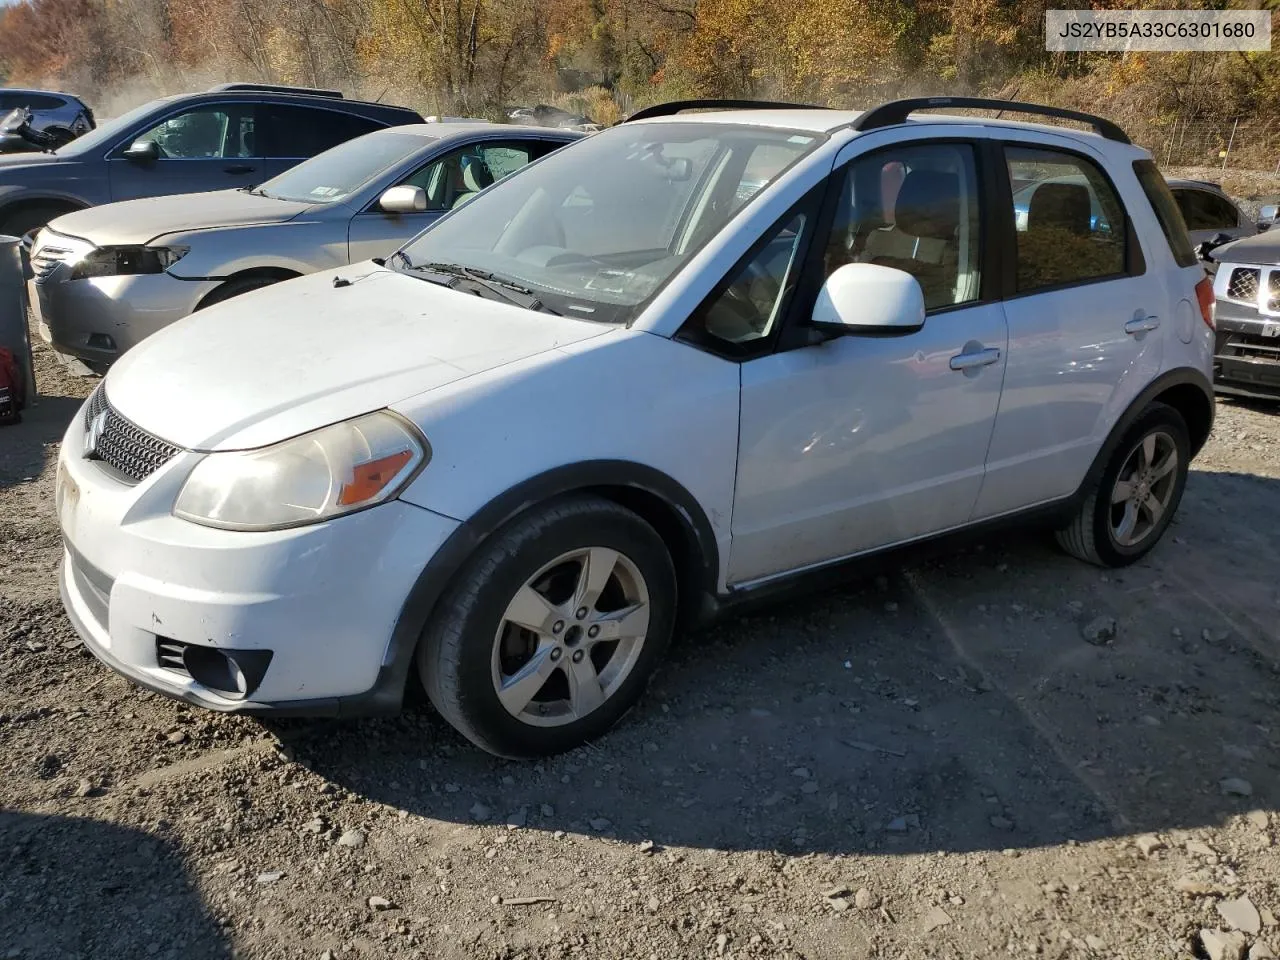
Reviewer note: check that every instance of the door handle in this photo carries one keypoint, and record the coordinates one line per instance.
(1143, 324)
(978, 358)
(239, 168)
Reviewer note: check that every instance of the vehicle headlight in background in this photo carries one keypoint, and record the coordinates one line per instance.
(331, 471)
(126, 261)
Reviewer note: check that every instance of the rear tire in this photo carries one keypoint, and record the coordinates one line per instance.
(552, 630)
(1132, 503)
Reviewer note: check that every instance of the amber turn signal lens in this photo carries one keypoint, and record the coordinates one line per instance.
(368, 479)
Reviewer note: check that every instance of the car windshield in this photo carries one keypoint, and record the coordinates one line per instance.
(109, 131)
(595, 229)
(334, 175)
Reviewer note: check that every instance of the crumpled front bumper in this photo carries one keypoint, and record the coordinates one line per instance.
(99, 319)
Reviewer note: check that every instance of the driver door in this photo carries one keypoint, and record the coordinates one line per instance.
(859, 442)
(210, 147)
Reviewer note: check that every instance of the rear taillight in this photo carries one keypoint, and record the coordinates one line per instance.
(1204, 294)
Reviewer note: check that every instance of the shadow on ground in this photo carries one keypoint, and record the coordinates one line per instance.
(953, 705)
(72, 887)
(23, 446)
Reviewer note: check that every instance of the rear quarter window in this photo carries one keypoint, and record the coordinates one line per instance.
(1166, 211)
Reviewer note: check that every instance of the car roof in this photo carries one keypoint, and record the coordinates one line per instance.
(340, 104)
(449, 130)
(824, 120)
(52, 93)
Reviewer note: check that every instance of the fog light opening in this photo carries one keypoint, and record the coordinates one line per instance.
(233, 674)
(100, 341)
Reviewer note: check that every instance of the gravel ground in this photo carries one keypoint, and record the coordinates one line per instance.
(932, 763)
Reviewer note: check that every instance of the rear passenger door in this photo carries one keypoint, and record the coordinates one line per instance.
(449, 180)
(1084, 311)
(292, 133)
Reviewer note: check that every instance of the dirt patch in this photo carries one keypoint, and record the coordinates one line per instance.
(934, 763)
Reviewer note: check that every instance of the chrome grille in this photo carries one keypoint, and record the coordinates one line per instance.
(1243, 284)
(122, 445)
(1273, 291)
(1253, 347)
(46, 260)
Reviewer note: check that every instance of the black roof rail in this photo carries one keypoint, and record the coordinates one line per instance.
(897, 111)
(276, 88)
(679, 106)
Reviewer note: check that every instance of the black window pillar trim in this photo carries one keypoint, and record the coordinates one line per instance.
(1002, 268)
(690, 331)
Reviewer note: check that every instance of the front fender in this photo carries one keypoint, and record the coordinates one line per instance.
(13, 194)
(297, 247)
(626, 409)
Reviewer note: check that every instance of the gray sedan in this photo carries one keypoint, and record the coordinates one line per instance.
(106, 277)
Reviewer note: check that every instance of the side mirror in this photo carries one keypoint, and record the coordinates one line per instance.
(868, 299)
(403, 199)
(142, 150)
(1267, 216)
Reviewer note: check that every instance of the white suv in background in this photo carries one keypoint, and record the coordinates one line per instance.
(666, 369)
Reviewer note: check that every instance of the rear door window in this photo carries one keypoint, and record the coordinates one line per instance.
(1070, 224)
(1203, 210)
(293, 132)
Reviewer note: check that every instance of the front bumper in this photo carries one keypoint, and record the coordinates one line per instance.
(319, 603)
(1246, 359)
(97, 320)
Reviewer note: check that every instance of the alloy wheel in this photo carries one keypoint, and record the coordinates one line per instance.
(570, 636)
(1144, 489)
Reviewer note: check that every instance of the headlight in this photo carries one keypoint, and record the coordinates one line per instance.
(332, 471)
(126, 261)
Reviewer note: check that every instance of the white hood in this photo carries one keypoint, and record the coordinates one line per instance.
(302, 354)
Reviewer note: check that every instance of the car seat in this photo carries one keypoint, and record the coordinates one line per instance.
(1059, 244)
(476, 175)
(923, 238)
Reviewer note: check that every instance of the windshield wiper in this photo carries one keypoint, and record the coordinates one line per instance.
(508, 290)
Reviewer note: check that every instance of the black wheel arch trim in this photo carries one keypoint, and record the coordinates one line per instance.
(37, 198)
(387, 694)
(1182, 376)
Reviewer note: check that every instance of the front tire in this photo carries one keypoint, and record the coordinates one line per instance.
(234, 288)
(32, 217)
(1133, 501)
(551, 631)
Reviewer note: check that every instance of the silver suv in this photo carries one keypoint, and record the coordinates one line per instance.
(106, 277)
